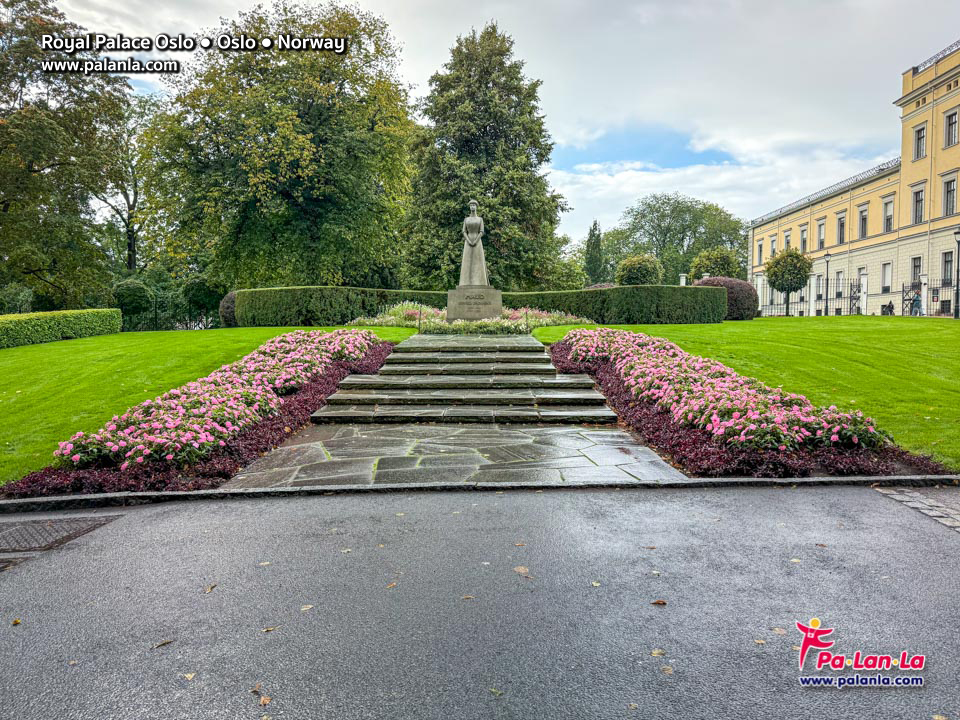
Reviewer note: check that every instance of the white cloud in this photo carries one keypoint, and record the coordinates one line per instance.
(798, 94)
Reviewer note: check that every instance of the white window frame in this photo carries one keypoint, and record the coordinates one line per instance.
(842, 223)
(921, 191)
(886, 277)
(863, 222)
(946, 181)
(920, 141)
(803, 240)
(821, 234)
(888, 202)
(951, 138)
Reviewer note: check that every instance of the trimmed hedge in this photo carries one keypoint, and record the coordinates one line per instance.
(743, 302)
(43, 327)
(631, 304)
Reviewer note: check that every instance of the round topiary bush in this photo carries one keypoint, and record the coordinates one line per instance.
(133, 297)
(639, 270)
(228, 310)
(200, 296)
(715, 262)
(742, 300)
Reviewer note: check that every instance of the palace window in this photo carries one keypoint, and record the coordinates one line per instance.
(888, 216)
(916, 266)
(786, 240)
(773, 245)
(886, 277)
(920, 142)
(863, 223)
(821, 235)
(947, 279)
(803, 240)
(841, 229)
(759, 252)
(950, 129)
(918, 206)
(819, 286)
(950, 196)
(839, 286)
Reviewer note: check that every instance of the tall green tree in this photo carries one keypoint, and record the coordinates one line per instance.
(486, 141)
(52, 131)
(594, 263)
(675, 228)
(289, 167)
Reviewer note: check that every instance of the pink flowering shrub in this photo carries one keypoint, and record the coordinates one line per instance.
(186, 424)
(702, 393)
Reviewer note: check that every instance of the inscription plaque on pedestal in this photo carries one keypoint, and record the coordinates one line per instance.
(473, 302)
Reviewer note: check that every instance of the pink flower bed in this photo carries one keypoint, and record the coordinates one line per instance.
(185, 424)
(702, 393)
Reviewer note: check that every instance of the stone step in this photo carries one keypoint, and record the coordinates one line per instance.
(473, 369)
(559, 414)
(445, 358)
(464, 382)
(456, 396)
(469, 343)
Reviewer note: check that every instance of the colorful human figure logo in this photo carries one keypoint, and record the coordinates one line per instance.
(813, 636)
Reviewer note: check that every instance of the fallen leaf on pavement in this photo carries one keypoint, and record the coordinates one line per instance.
(595, 583)
(795, 647)
(264, 564)
(16, 621)
(794, 559)
(779, 631)
(633, 706)
(209, 588)
(650, 547)
(256, 688)
(189, 676)
(659, 602)
(162, 643)
(265, 700)
(657, 652)
(666, 670)
(400, 514)
(468, 597)
(391, 586)
(270, 629)
(346, 550)
(496, 692)
(520, 544)
(521, 569)
(72, 662)
(938, 716)
(381, 545)
(821, 545)
(759, 641)
(655, 572)
(304, 608)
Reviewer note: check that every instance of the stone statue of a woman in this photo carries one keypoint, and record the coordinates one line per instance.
(473, 268)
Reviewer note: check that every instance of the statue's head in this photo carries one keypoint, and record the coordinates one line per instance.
(473, 207)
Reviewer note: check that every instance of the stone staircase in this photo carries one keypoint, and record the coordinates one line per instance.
(467, 379)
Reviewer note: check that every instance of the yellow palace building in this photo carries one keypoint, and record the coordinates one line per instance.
(883, 241)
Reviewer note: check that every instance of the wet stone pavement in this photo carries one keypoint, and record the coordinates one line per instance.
(476, 454)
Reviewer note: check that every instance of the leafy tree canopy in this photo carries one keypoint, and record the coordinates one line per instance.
(788, 271)
(289, 167)
(715, 262)
(639, 270)
(486, 141)
(52, 131)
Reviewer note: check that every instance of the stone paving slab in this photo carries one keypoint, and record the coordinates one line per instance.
(456, 396)
(362, 454)
(469, 343)
(940, 503)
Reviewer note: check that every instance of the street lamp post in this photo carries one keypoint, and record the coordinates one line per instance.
(826, 289)
(956, 282)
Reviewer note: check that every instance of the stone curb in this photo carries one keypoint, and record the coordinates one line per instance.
(126, 499)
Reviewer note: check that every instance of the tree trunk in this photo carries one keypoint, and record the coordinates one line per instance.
(131, 248)
(788, 304)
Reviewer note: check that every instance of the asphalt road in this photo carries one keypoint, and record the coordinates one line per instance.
(391, 635)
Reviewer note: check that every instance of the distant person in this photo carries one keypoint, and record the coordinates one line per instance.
(915, 308)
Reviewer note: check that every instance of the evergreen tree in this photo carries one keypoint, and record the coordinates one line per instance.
(594, 264)
(788, 272)
(487, 142)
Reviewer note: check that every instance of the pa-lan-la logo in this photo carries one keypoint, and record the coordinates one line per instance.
(815, 637)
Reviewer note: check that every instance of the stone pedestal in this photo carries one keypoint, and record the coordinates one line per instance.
(473, 302)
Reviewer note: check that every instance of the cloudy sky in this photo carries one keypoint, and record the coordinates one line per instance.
(747, 103)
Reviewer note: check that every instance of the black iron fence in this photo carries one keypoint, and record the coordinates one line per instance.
(169, 312)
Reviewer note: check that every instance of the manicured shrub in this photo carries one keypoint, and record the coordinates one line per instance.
(742, 300)
(639, 270)
(228, 310)
(616, 305)
(33, 328)
(133, 297)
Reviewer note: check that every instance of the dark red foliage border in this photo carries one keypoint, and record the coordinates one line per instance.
(295, 411)
(696, 452)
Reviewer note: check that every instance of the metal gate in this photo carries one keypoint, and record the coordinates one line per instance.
(856, 288)
(912, 300)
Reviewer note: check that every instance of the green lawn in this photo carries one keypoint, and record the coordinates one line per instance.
(904, 372)
(48, 392)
